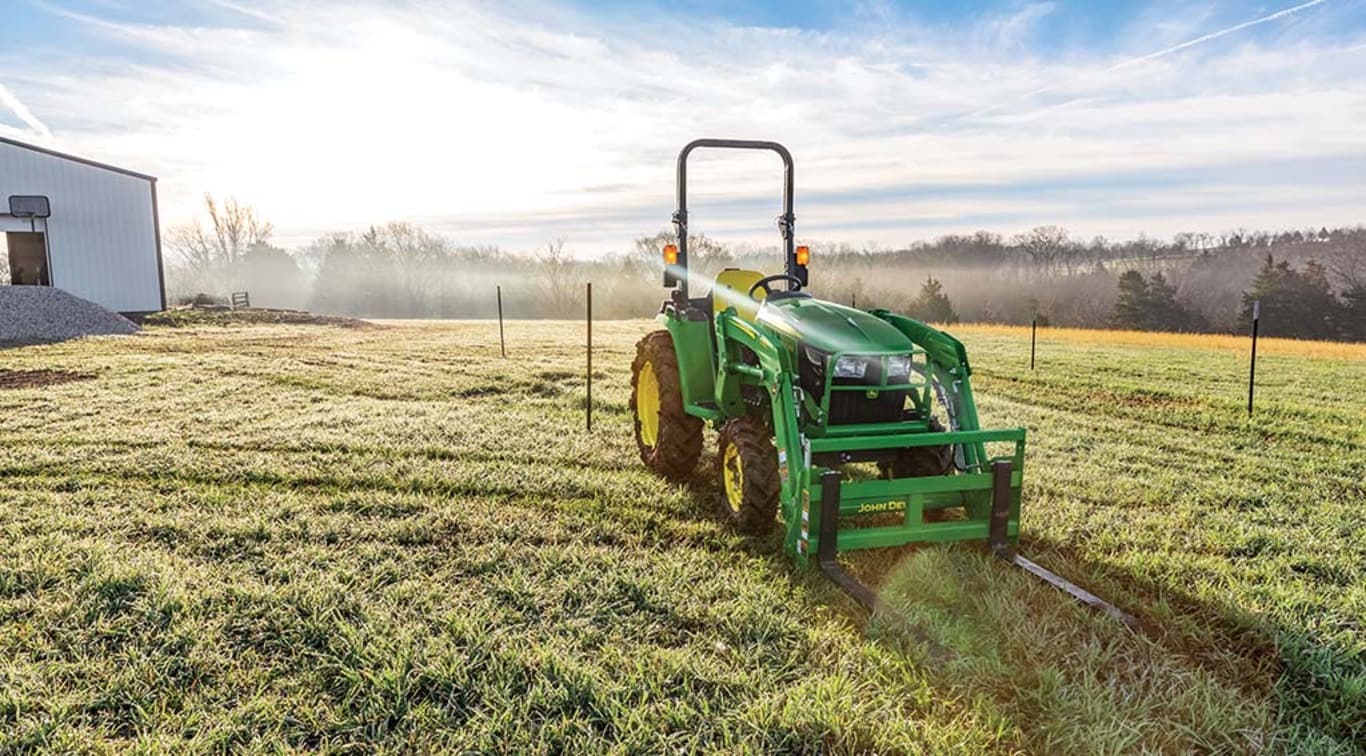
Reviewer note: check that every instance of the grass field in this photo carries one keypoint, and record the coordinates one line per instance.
(301, 537)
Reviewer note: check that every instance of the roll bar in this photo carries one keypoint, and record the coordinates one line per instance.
(679, 276)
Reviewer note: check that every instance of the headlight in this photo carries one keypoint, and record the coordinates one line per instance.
(850, 367)
(899, 366)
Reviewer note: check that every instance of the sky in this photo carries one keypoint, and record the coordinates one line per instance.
(518, 122)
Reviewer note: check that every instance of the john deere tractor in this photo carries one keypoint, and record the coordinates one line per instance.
(856, 427)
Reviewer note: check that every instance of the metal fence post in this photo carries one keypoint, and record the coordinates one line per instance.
(1033, 339)
(502, 343)
(589, 405)
(1252, 364)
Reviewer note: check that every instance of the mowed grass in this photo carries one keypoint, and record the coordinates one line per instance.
(310, 537)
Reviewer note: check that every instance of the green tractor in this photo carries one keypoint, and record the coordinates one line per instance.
(804, 391)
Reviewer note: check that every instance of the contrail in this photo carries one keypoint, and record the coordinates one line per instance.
(1174, 48)
(21, 110)
(245, 10)
(1216, 35)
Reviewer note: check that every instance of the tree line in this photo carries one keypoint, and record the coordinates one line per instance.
(1311, 283)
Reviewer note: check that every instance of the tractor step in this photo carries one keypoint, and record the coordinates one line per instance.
(827, 554)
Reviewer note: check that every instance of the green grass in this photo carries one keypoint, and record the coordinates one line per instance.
(305, 537)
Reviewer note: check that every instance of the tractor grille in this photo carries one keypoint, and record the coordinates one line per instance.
(851, 407)
(854, 408)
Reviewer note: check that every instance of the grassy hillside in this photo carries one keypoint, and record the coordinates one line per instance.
(298, 537)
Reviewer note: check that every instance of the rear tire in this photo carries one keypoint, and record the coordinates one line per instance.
(669, 440)
(747, 468)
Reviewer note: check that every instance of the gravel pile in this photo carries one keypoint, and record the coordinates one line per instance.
(41, 313)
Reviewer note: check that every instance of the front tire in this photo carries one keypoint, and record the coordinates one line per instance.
(747, 467)
(920, 461)
(669, 440)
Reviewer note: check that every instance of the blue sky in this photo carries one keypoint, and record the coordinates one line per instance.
(521, 121)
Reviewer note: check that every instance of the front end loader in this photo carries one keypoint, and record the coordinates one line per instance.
(858, 428)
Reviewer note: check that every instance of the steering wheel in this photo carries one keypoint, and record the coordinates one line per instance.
(795, 284)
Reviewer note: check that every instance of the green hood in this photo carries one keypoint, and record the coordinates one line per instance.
(830, 327)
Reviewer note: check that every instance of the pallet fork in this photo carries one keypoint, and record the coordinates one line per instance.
(828, 561)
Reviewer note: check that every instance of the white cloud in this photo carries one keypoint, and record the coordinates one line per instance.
(512, 123)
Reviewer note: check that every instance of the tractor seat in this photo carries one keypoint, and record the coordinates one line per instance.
(731, 289)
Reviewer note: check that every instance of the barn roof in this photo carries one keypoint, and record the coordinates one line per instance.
(74, 159)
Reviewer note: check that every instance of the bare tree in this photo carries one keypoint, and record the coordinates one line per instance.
(705, 254)
(413, 256)
(233, 229)
(558, 282)
(1346, 259)
(1045, 246)
(647, 253)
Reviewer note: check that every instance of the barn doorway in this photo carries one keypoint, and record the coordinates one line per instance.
(26, 258)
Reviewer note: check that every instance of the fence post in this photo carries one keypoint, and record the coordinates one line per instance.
(1033, 339)
(502, 343)
(589, 406)
(1252, 365)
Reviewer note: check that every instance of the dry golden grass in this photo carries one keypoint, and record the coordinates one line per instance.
(1329, 350)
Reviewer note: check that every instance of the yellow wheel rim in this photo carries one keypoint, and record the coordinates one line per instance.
(647, 404)
(733, 477)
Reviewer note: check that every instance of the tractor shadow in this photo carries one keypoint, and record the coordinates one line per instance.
(1307, 678)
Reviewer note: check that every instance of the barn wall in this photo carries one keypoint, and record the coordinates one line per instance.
(102, 237)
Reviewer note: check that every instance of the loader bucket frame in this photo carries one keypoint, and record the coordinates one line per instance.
(806, 463)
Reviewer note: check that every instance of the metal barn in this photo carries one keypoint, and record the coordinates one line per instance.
(81, 226)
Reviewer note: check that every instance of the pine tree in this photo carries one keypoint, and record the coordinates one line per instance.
(1131, 308)
(1164, 312)
(1354, 312)
(933, 306)
(1294, 304)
